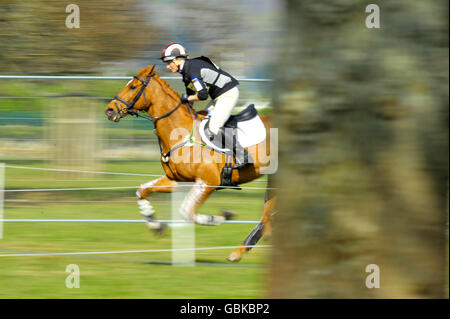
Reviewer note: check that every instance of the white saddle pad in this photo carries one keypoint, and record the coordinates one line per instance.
(249, 133)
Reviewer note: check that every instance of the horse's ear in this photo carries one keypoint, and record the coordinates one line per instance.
(147, 71)
(151, 70)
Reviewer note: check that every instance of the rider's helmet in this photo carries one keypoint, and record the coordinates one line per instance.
(172, 51)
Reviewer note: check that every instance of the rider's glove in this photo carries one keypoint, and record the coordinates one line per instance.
(184, 98)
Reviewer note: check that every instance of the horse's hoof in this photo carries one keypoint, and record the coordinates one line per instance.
(234, 257)
(162, 229)
(228, 214)
(157, 227)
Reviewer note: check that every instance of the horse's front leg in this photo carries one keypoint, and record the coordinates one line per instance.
(199, 192)
(161, 185)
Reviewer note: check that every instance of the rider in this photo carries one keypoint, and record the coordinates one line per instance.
(202, 77)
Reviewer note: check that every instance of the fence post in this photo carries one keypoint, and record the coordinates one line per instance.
(183, 233)
(2, 192)
(75, 131)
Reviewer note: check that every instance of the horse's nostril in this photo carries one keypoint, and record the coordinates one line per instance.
(109, 111)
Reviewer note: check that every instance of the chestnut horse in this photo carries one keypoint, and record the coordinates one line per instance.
(148, 93)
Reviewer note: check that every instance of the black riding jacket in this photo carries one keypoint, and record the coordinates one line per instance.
(202, 76)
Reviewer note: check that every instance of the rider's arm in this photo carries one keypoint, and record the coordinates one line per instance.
(200, 86)
(202, 91)
(190, 92)
(192, 95)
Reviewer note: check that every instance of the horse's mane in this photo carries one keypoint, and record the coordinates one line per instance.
(166, 87)
(169, 90)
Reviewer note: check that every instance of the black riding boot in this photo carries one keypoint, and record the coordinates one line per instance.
(226, 138)
(241, 155)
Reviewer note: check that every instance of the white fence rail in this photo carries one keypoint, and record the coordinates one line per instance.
(114, 221)
(183, 238)
(102, 77)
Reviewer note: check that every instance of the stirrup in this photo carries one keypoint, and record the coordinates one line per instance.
(227, 172)
(225, 178)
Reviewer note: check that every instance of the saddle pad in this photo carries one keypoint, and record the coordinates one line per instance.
(249, 133)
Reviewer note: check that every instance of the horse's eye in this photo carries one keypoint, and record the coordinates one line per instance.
(132, 87)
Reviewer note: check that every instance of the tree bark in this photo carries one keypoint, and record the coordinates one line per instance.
(363, 132)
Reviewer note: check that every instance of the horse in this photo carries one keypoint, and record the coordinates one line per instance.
(152, 96)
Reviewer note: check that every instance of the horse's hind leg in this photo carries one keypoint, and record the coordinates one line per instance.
(162, 185)
(263, 228)
(194, 199)
(269, 212)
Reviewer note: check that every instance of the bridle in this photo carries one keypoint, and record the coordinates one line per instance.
(129, 105)
(129, 110)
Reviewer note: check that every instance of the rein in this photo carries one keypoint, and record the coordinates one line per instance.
(165, 156)
(129, 110)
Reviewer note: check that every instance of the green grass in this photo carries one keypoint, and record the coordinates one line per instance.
(121, 275)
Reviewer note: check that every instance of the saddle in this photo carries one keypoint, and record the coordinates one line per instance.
(247, 114)
(226, 142)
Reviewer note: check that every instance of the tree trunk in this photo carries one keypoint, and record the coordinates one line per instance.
(363, 132)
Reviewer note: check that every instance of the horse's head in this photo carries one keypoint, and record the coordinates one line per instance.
(132, 97)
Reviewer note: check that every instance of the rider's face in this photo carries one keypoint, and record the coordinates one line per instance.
(172, 67)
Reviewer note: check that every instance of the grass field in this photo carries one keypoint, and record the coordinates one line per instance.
(135, 275)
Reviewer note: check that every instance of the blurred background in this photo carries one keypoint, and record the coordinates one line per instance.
(363, 145)
(53, 134)
(117, 39)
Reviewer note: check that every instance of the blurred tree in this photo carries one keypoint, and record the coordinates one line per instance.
(35, 40)
(363, 119)
(212, 28)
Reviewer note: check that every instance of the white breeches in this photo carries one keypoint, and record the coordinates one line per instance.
(221, 108)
